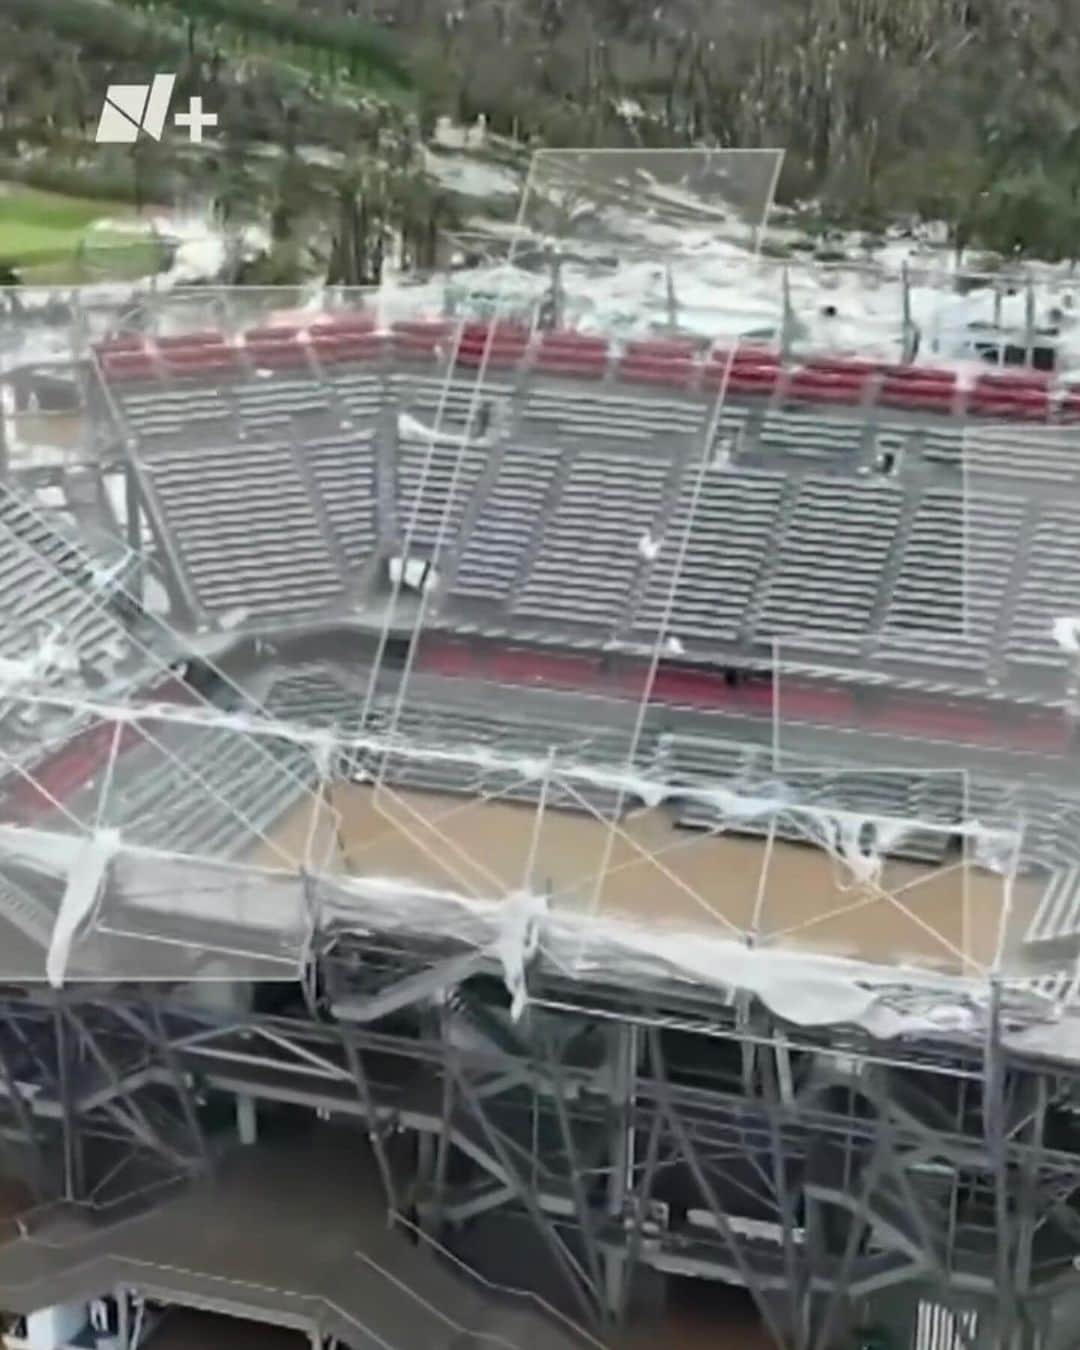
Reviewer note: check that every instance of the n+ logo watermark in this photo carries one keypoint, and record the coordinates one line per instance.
(133, 108)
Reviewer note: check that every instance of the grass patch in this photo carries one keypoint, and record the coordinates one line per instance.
(51, 238)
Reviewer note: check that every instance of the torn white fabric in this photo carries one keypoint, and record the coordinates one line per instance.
(805, 988)
(729, 802)
(1067, 634)
(411, 429)
(233, 618)
(648, 547)
(53, 657)
(521, 916)
(86, 874)
(861, 842)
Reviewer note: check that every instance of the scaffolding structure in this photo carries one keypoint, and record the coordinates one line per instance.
(639, 1135)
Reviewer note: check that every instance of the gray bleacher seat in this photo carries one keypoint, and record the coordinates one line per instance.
(1057, 914)
(46, 586)
(245, 528)
(703, 761)
(953, 577)
(734, 522)
(312, 696)
(523, 736)
(589, 551)
(262, 402)
(830, 552)
(943, 445)
(809, 435)
(612, 417)
(496, 546)
(344, 469)
(205, 791)
(730, 433)
(360, 393)
(176, 409)
(435, 485)
(448, 405)
(1049, 590)
(1025, 453)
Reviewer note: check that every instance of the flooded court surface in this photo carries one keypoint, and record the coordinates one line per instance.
(648, 871)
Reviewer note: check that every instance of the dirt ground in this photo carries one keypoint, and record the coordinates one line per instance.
(945, 918)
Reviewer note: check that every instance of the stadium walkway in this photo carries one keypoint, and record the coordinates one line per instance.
(291, 1234)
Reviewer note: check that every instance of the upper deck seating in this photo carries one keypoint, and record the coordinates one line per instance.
(245, 528)
(495, 549)
(345, 339)
(435, 485)
(668, 363)
(742, 371)
(421, 341)
(920, 388)
(808, 435)
(1018, 397)
(829, 557)
(732, 515)
(613, 418)
(498, 346)
(1023, 453)
(344, 469)
(1049, 590)
(576, 355)
(953, 578)
(847, 384)
(590, 547)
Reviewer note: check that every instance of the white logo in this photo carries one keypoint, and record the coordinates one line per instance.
(131, 108)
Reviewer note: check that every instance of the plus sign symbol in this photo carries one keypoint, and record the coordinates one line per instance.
(195, 119)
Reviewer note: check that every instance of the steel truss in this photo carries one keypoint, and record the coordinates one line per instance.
(832, 1180)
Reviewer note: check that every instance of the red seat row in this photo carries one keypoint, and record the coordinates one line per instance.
(1011, 397)
(812, 384)
(579, 355)
(668, 362)
(500, 345)
(420, 339)
(129, 365)
(920, 388)
(746, 370)
(662, 362)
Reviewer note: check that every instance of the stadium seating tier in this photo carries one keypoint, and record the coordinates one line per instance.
(871, 513)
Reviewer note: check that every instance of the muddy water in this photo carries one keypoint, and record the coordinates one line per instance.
(649, 872)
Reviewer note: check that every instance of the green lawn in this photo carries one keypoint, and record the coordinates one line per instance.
(49, 238)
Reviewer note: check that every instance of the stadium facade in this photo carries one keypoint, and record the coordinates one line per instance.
(631, 786)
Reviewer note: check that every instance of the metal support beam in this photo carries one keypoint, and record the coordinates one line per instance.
(135, 1116)
(576, 1278)
(581, 1201)
(705, 1186)
(994, 1124)
(371, 1114)
(774, 1080)
(72, 1147)
(642, 1197)
(25, 1123)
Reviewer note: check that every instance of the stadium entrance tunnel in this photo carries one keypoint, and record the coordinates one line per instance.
(706, 1315)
